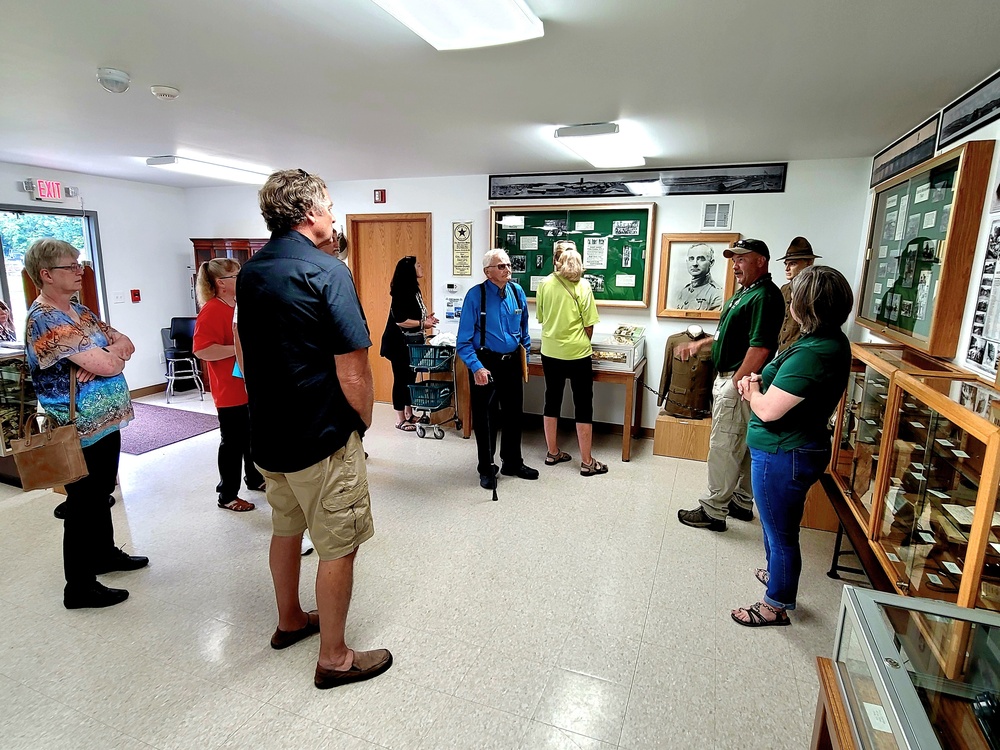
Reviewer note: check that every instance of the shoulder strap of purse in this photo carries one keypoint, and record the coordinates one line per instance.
(579, 305)
(25, 370)
(482, 316)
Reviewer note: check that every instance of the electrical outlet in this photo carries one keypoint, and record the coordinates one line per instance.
(118, 298)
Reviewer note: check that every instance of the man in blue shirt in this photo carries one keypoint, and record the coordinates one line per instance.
(494, 324)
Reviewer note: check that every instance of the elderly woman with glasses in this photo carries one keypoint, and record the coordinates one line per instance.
(214, 344)
(65, 341)
(791, 401)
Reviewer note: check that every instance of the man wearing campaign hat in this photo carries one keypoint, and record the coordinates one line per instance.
(798, 256)
(746, 340)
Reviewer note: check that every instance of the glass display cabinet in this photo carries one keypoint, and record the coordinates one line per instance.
(861, 417)
(915, 673)
(922, 238)
(12, 369)
(938, 532)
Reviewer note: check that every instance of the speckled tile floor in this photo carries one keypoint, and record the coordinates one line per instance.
(574, 613)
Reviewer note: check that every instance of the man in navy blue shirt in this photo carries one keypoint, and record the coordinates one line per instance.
(304, 344)
(488, 339)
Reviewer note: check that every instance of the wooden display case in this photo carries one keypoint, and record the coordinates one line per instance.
(936, 531)
(861, 418)
(239, 250)
(922, 238)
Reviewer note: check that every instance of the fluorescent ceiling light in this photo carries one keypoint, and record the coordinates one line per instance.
(602, 144)
(465, 24)
(208, 169)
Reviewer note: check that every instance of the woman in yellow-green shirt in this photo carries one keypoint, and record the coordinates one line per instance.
(565, 307)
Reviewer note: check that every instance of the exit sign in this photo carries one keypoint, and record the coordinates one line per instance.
(48, 190)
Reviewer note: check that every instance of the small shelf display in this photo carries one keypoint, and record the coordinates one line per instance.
(917, 673)
(619, 351)
(938, 532)
(862, 415)
(12, 369)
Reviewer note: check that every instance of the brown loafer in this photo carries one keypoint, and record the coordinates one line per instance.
(367, 664)
(285, 638)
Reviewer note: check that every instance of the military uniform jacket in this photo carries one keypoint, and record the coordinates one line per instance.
(686, 386)
(789, 328)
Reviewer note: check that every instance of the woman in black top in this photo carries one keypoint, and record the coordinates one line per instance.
(408, 319)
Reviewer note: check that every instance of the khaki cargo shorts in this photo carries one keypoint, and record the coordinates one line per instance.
(330, 498)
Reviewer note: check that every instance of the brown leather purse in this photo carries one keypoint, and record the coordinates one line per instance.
(49, 454)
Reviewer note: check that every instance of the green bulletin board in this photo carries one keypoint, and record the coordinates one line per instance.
(613, 240)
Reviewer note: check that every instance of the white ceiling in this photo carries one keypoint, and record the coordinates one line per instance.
(340, 88)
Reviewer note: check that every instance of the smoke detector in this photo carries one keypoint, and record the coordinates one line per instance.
(113, 80)
(165, 93)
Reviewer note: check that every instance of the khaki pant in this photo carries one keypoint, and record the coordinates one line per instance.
(728, 457)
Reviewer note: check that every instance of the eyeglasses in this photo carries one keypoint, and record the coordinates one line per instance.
(74, 267)
(220, 278)
(501, 266)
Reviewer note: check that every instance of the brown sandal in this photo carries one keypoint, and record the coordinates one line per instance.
(238, 505)
(594, 467)
(551, 459)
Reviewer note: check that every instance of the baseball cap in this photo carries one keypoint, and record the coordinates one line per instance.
(742, 247)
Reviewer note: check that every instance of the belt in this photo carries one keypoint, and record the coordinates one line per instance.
(497, 355)
(726, 374)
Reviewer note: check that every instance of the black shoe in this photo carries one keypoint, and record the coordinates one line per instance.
(93, 595)
(522, 471)
(119, 560)
(699, 519)
(739, 513)
(488, 482)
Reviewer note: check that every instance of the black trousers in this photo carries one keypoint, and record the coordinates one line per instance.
(234, 452)
(88, 533)
(402, 377)
(581, 381)
(498, 407)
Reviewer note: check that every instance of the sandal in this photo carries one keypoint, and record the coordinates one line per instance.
(551, 459)
(594, 467)
(762, 575)
(406, 426)
(238, 505)
(757, 620)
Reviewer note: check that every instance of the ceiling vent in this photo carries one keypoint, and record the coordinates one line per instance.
(717, 217)
(165, 93)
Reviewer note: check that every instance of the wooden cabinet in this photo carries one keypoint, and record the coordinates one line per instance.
(239, 250)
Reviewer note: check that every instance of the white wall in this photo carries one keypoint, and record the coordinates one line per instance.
(144, 246)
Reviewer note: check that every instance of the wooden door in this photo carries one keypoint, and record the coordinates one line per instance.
(375, 243)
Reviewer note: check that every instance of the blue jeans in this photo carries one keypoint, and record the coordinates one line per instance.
(780, 482)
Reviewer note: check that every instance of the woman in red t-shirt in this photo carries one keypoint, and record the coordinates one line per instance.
(213, 344)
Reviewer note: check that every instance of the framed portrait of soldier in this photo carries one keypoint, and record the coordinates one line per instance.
(694, 276)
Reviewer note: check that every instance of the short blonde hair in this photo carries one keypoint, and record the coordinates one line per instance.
(287, 196)
(44, 254)
(560, 247)
(821, 297)
(569, 265)
(208, 272)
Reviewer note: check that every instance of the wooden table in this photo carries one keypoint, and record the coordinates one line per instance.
(832, 726)
(633, 382)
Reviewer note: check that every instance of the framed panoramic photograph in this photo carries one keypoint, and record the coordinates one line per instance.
(912, 149)
(694, 276)
(970, 112)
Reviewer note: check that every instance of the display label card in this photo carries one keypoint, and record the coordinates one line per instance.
(900, 224)
(961, 454)
(930, 219)
(624, 279)
(512, 222)
(918, 477)
(877, 718)
(922, 193)
(869, 421)
(891, 201)
(895, 480)
(910, 406)
(878, 289)
(928, 538)
(917, 425)
(536, 281)
(945, 443)
(892, 557)
(595, 252)
(875, 457)
(918, 467)
(938, 494)
(995, 546)
(882, 396)
(951, 567)
(584, 226)
(529, 242)
(883, 251)
(935, 579)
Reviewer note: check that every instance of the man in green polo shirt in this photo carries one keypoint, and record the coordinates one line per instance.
(745, 341)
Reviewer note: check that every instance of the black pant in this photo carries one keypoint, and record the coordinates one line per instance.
(581, 380)
(498, 406)
(234, 452)
(402, 377)
(88, 533)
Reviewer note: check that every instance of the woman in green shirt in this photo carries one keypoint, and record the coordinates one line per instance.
(564, 305)
(791, 401)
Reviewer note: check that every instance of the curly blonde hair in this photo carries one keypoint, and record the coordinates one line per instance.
(208, 272)
(570, 265)
(287, 196)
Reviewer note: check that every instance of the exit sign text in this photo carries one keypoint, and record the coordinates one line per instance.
(48, 190)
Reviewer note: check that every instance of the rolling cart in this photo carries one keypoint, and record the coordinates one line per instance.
(429, 396)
